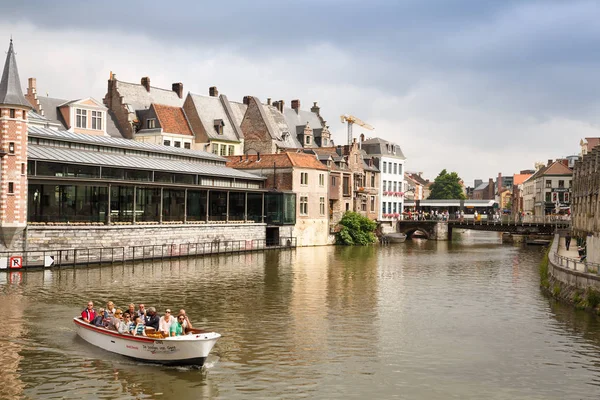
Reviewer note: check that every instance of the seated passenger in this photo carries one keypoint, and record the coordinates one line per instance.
(164, 325)
(123, 325)
(131, 311)
(187, 324)
(99, 319)
(137, 328)
(114, 322)
(141, 311)
(89, 313)
(152, 320)
(177, 326)
(110, 308)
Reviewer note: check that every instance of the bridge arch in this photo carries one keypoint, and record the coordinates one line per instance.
(410, 231)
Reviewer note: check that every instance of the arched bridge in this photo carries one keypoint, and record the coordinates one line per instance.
(442, 230)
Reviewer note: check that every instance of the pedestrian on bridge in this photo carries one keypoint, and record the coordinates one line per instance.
(568, 240)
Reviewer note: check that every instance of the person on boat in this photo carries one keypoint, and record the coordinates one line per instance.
(137, 328)
(123, 322)
(99, 318)
(141, 312)
(131, 311)
(110, 309)
(165, 322)
(187, 324)
(152, 320)
(177, 328)
(89, 313)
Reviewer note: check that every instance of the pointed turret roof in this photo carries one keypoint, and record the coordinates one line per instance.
(10, 85)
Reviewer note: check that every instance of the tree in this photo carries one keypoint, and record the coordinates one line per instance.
(446, 186)
(356, 230)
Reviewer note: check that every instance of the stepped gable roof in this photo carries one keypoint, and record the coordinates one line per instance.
(211, 109)
(136, 97)
(172, 119)
(380, 147)
(10, 84)
(281, 160)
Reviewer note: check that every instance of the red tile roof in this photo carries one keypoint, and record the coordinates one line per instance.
(591, 143)
(282, 160)
(520, 178)
(172, 119)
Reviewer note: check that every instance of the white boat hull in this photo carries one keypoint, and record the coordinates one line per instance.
(191, 349)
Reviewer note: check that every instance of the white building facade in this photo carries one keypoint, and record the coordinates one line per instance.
(389, 159)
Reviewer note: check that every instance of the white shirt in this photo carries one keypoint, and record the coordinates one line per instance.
(164, 325)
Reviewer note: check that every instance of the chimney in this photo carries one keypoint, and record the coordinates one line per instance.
(178, 88)
(146, 83)
(280, 105)
(499, 182)
(32, 97)
(268, 101)
(549, 162)
(315, 108)
(296, 105)
(246, 100)
(213, 92)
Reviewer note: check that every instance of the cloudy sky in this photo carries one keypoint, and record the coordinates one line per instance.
(473, 86)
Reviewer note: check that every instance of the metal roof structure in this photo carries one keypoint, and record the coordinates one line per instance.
(36, 131)
(10, 84)
(64, 155)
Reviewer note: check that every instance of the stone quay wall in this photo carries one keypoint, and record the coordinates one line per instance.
(567, 275)
(65, 237)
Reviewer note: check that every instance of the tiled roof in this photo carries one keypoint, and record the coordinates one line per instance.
(172, 119)
(592, 142)
(300, 118)
(211, 108)
(281, 160)
(417, 178)
(136, 97)
(10, 84)
(520, 178)
(558, 168)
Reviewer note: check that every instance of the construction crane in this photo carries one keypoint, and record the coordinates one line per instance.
(351, 120)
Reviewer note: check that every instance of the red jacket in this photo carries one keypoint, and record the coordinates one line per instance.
(88, 314)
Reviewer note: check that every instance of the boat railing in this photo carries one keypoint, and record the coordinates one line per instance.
(15, 260)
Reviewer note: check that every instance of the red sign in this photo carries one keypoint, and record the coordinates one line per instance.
(15, 262)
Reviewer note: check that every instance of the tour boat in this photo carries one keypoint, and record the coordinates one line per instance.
(397, 237)
(189, 349)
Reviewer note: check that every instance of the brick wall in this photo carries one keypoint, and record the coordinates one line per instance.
(114, 102)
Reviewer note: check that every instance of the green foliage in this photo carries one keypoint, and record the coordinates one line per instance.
(556, 290)
(446, 186)
(593, 298)
(356, 230)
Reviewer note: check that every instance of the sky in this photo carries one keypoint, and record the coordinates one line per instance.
(473, 86)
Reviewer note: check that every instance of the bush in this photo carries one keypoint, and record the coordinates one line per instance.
(356, 230)
(544, 275)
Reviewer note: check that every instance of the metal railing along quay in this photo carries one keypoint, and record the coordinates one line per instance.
(14, 260)
(570, 263)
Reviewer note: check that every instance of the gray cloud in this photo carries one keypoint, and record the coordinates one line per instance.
(506, 82)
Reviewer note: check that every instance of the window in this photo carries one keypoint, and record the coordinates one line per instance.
(395, 168)
(321, 179)
(548, 194)
(81, 118)
(219, 124)
(24, 114)
(561, 184)
(303, 205)
(324, 141)
(383, 209)
(384, 166)
(223, 150)
(395, 205)
(372, 203)
(97, 120)
(394, 186)
(304, 178)
(177, 144)
(11, 188)
(399, 169)
(23, 169)
(570, 184)
(231, 150)
(215, 148)
(322, 205)
(347, 206)
(566, 197)
(389, 207)
(12, 113)
(167, 142)
(151, 123)
(384, 183)
(11, 148)
(187, 145)
(346, 186)
(548, 184)
(333, 181)
(372, 180)
(308, 140)
(363, 204)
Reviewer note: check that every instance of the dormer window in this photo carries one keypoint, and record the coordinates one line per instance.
(308, 140)
(97, 120)
(151, 122)
(324, 141)
(219, 124)
(81, 120)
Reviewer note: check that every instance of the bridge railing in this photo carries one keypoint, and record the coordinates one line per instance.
(573, 264)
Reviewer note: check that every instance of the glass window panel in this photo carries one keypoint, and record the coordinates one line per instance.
(255, 207)
(217, 206)
(173, 205)
(237, 206)
(196, 205)
(67, 203)
(165, 177)
(82, 171)
(185, 178)
(30, 167)
(113, 173)
(147, 205)
(138, 175)
(121, 203)
(50, 169)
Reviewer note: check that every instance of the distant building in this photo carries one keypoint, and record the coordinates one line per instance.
(588, 144)
(549, 189)
(417, 187)
(485, 191)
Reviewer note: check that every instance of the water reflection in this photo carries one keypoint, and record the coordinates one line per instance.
(421, 319)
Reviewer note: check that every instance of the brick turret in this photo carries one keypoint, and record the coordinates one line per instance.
(13, 152)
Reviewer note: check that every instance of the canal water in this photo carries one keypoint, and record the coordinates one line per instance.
(418, 320)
